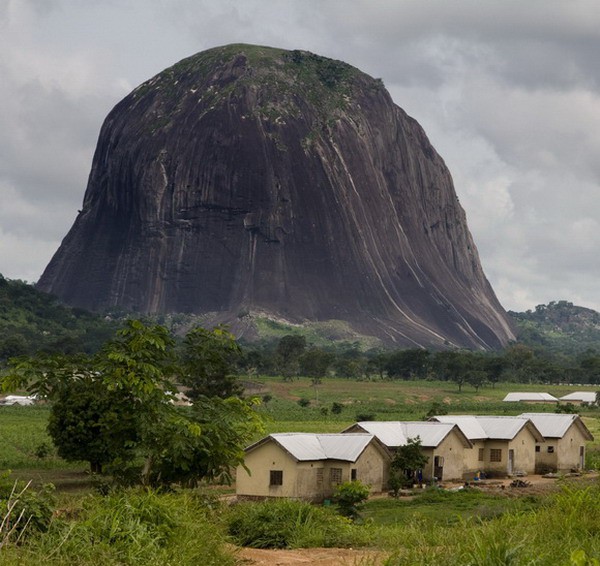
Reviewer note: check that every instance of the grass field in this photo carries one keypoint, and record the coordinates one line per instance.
(432, 527)
(24, 428)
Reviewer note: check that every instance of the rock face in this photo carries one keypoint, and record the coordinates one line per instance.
(252, 179)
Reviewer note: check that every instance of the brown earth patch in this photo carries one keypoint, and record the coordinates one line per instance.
(318, 556)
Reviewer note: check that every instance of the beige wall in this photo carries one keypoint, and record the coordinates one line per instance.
(306, 480)
(523, 446)
(472, 463)
(453, 452)
(566, 454)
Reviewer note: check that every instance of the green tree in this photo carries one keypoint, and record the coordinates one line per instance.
(409, 459)
(208, 365)
(118, 407)
(408, 364)
(90, 423)
(289, 350)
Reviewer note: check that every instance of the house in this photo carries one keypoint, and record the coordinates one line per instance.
(22, 400)
(565, 437)
(443, 444)
(502, 445)
(310, 466)
(530, 397)
(580, 397)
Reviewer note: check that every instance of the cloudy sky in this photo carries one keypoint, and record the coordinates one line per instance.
(508, 92)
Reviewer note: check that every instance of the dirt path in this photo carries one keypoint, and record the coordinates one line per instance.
(317, 556)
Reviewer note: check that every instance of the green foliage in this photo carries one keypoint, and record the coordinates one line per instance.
(114, 411)
(336, 408)
(291, 524)
(409, 458)
(32, 321)
(350, 498)
(92, 423)
(23, 509)
(304, 402)
(208, 363)
(131, 527)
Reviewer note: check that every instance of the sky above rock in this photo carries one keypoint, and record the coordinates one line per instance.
(507, 91)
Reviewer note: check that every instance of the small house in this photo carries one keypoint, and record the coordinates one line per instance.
(580, 398)
(443, 444)
(505, 445)
(529, 397)
(564, 447)
(311, 466)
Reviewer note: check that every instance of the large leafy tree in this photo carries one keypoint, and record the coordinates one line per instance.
(208, 363)
(114, 411)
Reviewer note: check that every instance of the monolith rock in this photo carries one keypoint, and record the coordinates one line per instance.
(248, 180)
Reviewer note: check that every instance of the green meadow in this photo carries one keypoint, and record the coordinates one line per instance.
(180, 527)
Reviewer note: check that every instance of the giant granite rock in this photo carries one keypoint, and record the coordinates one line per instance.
(251, 179)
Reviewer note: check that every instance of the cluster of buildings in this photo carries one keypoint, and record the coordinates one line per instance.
(576, 397)
(458, 447)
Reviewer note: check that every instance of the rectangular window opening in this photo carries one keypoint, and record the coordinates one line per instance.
(495, 455)
(335, 475)
(480, 455)
(353, 474)
(276, 477)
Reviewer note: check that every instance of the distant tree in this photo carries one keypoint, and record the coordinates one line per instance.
(289, 350)
(208, 364)
(315, 362)
(408, 364)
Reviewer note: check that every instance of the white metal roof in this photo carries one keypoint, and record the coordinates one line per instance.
(583, 396)
(469, 425)
(397, 433)
(555, 425)
(308, 446)
(492, 427)
(529, 396)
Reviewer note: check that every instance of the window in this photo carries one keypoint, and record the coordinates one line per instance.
(276, 477)
(353, 474)
(538, 448)
(480, 457)
(550, 449)
(335, 475)
(319, 476)
(495, 455)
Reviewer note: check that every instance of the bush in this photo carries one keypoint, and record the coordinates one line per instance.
(23, 508)
(350, 498)
(304, 402)
(133, 527)
(292, 524)
(336, 408)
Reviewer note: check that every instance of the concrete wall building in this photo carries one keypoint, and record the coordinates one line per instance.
(311, 466)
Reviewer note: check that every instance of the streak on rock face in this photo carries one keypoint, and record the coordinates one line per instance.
(248, 178)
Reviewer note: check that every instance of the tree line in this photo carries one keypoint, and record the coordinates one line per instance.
(291, 357)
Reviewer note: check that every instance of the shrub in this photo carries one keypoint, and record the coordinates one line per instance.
(304, 402)
(366, 417)
(23, 508)
(292, 524)
(350, 498)
(336, 408)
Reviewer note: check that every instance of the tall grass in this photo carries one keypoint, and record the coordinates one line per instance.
(566, 525)
(133, 527)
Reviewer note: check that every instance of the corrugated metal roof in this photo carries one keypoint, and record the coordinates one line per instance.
(469, 425)
(529, 396)
(555, 425)
(502, 428)
(397, 433)
(583, 396)
(307, 446)
(476, 427)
